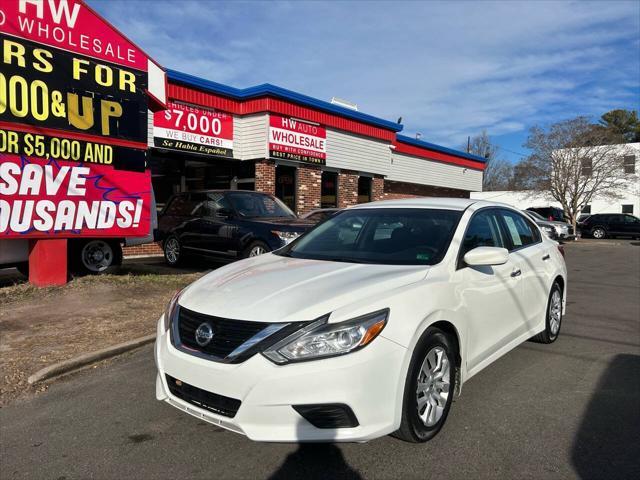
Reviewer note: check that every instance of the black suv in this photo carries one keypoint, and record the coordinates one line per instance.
(226, 224)
(604, 225)
(553, 214)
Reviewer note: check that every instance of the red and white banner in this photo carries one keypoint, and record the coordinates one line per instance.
(193, 129)
(74, 97)
(49, 198)
(70, 25)
(297, 140)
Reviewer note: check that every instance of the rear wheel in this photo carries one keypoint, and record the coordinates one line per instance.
(554, 317)
(172, 251)
(598, 233)
(429, 387)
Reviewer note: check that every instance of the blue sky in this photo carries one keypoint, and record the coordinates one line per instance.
(450, 69)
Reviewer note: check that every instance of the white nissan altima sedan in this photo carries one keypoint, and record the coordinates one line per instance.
(367, 325)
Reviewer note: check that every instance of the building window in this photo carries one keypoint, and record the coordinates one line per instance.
(586, 209)
(286, 185)
(629, 164)
(627, 209)
(587, 166)
(364, 189)
(329, 190)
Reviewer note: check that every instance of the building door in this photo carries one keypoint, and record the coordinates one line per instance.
(329, 190)
(286, 185)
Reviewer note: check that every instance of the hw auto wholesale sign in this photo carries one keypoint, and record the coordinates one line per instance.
(73, 113)
(193, 129)
(294, 139)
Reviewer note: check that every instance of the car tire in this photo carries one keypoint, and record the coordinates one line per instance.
(94, 256)
(172, 251)
(553, 320)
(255, 248)
(598, 233)
(425, 412)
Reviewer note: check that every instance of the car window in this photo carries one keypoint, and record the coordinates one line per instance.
(181, 205)
(254, 205)
(519, 231)
(215, 201)
(483, 231)
(631, 219)
(392, 236)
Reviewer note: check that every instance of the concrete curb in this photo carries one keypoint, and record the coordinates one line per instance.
(67, 366)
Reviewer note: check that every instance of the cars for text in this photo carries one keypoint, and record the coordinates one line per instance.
(367, 325)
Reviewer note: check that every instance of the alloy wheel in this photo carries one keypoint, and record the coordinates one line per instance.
(555, 312)
(598, 233)
(434, 382)
(257, 250)
(172, 250)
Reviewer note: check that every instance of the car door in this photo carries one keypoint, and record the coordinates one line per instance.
(190, 231)
(631, 225)
(530, 257)
(490, 295)
(215, 230)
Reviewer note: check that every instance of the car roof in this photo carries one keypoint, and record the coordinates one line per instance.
(441, 203)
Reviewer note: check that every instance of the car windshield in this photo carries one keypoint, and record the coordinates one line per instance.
(379, 235)
(256, 205)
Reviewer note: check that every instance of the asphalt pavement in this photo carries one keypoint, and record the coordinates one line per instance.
(567, 410)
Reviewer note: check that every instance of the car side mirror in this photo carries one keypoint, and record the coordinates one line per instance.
(485, 256)
(224, 213)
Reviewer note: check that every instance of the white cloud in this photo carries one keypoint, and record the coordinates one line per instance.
(450, 69)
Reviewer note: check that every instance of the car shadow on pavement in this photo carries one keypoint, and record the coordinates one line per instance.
(607, 444)
(315, 461)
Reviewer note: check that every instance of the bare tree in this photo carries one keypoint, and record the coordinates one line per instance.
(498, 171)
(573, 162)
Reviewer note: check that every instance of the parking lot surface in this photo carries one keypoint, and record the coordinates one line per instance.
(566, 410)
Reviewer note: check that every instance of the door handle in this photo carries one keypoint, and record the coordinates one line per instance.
(516, 273)
(546, 257)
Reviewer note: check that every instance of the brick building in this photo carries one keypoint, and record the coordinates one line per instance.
(309, 153)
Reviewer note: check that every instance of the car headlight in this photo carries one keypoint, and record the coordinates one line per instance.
(549, 231)
(171, 310)
(286, 237)
(321, 340)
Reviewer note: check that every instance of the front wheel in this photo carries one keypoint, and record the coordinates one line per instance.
(554, 317)
(598, 233)
(429, 387)
(256, 249)
(95, 256)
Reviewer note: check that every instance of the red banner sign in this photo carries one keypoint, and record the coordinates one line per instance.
(45, 198)
(73, 124)
(70, 25)
(297, 140)
(193, 129)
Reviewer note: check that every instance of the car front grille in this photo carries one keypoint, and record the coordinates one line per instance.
(213, 402)
(232, 341)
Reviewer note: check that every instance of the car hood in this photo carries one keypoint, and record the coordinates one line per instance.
(271, 288)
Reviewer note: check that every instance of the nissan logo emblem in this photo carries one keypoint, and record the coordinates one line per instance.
(204, 334)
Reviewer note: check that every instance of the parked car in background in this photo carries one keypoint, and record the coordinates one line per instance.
(561, 230)
(602, 225)
(366, 325)
(553, 214)
(320, 215)
(226, 224)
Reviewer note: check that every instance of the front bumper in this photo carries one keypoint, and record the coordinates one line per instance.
(368, 381)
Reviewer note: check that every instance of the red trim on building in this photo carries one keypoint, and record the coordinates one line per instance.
(273, 105)
(436, 156)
